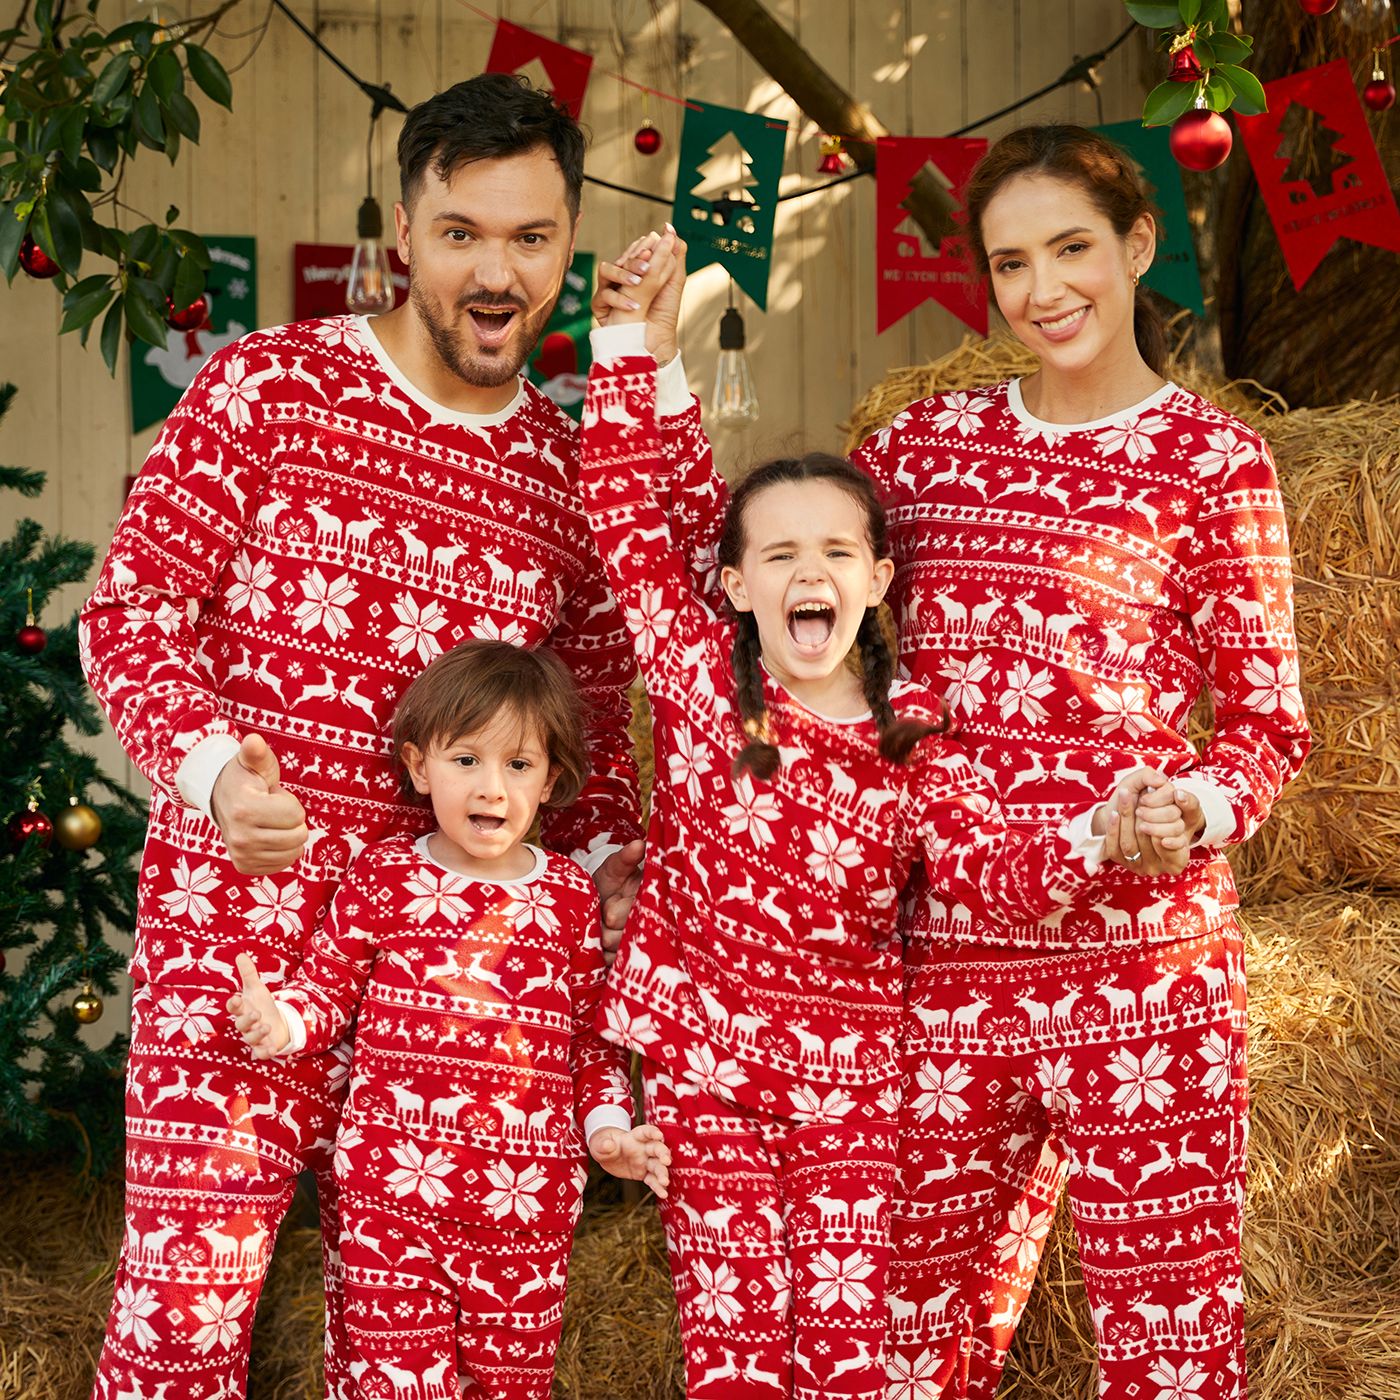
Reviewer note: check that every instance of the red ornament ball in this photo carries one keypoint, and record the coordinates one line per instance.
(188, 318)
(1201, 140)
(35, 261)
(31, 640)
(647, 140)
(1318, 7)
(1379, 94)
(30, 823)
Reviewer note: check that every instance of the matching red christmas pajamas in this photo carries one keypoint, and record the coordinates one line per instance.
(761, 972)
(1074, 588)
(306, 534)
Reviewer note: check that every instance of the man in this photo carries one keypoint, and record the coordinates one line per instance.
(331, 505)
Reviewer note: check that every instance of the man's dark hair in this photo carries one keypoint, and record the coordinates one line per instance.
(485, 118)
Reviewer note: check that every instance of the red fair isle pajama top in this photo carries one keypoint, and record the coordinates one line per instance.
(760, 974)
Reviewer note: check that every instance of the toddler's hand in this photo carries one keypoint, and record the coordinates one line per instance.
(640, 1154)
(256, 1014)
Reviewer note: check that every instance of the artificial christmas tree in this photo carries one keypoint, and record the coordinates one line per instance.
(60, 904)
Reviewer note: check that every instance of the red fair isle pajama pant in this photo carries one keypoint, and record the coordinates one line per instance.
(436, 1308)
(214, 1143)
(1122, 1071)
(778, 1234)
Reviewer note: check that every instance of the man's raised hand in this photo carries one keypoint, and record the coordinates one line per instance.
(263, 826)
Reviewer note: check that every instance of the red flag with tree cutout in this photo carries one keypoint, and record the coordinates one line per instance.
(567, 69)
(1318, 169)
(912, 262)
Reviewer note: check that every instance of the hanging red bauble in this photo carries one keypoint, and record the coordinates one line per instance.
(35, 261)
(1186, 67)
(833, 162)
(30, 822)
(1379, 94)
(188, 318)
(648, 139)
(1318, 7)
(31, 640)
(1201, 140)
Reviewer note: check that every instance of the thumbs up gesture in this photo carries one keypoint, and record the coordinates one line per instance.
(263, 827)
(256, 1014)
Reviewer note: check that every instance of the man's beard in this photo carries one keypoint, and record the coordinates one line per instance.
(480, 369)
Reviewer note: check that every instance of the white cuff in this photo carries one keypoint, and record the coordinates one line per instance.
(596, 854)
(296, 1029)
(1220, 819)
(608, 1115)
(673, 394)
(611, 343)
(1083, 844)
(197, 774)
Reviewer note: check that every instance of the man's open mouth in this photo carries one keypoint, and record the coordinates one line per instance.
(493, 323)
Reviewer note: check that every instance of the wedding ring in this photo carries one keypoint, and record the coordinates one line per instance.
(1132, 860)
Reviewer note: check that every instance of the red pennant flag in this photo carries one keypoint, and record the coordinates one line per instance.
(567, 69)
(909, 265)
(1318, 169)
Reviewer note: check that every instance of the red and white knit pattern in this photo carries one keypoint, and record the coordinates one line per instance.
(761, 959)
(1073, 589)
(476, 1062)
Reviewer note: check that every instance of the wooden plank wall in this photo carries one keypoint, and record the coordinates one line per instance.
(287, 166)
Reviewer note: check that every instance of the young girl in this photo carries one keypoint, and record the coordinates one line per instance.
(1081, 553)
(472, 963)
(760, 976)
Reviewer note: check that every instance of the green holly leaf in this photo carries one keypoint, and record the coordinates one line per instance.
(12, 231)
(1215, 13)
(111, 337)
(1250, 99)
(209, 73)
(150, 128)
(1220, 92)
(145, 311)
(194, 247)
(164, 73)
(1189, 10)
(1166, 102)
(182, 114)
(1154, 16)
(1229, 48)
(80, 311)
(113, 79)
(189, 282)
(144, 243)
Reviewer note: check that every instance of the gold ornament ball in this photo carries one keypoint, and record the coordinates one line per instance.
(87, 1006)
(77, 827)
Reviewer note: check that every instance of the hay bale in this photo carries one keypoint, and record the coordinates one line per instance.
(1322, 1241)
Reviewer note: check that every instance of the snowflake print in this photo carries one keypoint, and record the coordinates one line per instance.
(1226, 449)
(1024, 1233)
(534, 905)
(882, 438)
(809, 1103)
(1024, 692)
(689, 763)
(625, 1025)
(274, 906)
(831, 857)
(965, 691)
(1124, 707)
(237, 392)
(133, 1304)
(1182, 1382)
(418, 623)
(713, 1075)
(188, 899)
(252, 582)
(942, 1091)
(916, 1378)
(489, 630)
(1054, 1077)
(779, 1288)
(1142, 1079)
(326, 604)
(346, 1141)
(220, 1318)
(650, 620)
(1030, 433)
(433, 893)
(716, 1290)
(963, 414)
(1275, 686)
(420, 1175)
(1216, 1053)
(753, 812)
(839, 1282)
(517, 1192)
(1133, 440)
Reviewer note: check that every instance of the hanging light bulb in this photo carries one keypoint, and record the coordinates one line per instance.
(735, 404)
(370, 291)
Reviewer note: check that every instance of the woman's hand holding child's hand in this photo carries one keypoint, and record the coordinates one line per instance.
(1147, 824)
(256, 1014)
(628, 287)
(638, 1155)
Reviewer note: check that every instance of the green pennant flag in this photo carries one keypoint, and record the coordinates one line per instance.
(727, 192)
(1174, 273)
(559, 363)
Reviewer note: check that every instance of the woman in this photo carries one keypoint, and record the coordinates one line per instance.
(1079, 553)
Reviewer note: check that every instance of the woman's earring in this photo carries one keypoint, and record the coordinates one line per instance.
(1137, 277)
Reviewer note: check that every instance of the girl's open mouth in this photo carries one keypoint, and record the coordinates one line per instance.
(488, 826)
(810, 625)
